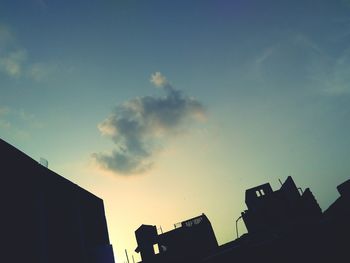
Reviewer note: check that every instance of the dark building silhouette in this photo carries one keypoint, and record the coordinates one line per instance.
(280, 210)
(285, 225)
(46, 218)
(190, 241)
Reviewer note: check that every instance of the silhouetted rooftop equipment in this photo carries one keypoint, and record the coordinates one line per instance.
(44, 162)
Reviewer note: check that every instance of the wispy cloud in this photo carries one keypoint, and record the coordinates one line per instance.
(300, 61)
(17, 123)
(11, 56)
(39, 71)
(6, 36)
(4, 123)
(140, 126)
(14, 60)
(330, 73)
(335, 76)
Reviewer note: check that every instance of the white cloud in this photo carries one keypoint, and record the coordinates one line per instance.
(159, 80)
(107, 128)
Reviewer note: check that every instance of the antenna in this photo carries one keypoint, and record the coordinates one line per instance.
(280, 181)
(237, 225)
(126, 253)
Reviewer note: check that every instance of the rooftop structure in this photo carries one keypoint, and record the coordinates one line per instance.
(190, 241)
(285, 225)
(278, 210)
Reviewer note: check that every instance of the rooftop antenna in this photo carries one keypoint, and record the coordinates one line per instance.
(127, 257)
(44, 162)
(237, 225)
(280, 181)
(301, 190)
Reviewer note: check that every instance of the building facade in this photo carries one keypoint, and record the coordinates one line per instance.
(46, 218)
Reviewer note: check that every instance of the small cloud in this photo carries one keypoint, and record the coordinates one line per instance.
(12, 62)
(18, 123)
(159, 80)
(38, 72)
(12, 58)
(264, 56)
(140, 126)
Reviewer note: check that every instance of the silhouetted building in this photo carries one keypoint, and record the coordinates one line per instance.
(341, 207)
(275, 211)
(287, 225)
(190, 241)
(46, 218)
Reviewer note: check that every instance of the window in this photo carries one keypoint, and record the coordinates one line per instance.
(260, 192)
(156, 249)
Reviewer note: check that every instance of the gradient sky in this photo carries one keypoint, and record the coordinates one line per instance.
(168, 109)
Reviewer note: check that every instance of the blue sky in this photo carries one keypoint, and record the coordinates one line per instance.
(271, 78)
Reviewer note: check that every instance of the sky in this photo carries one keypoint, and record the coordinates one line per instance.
(169, 109)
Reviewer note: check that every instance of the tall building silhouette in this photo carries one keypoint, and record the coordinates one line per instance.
(46, 218)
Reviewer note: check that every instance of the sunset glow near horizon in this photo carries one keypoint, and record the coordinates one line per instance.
(170, 109)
